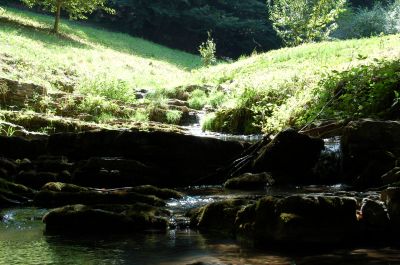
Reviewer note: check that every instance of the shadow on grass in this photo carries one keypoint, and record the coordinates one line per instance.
(47, 35)
(120, 42)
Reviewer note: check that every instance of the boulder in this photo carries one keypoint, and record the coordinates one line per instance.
(306, 220)
(16, 147)
(218, 216)
(391, 197)
(369, 149)
(8, 168)
(288, 158)
(35, 180)
(14, 194)
(391, 177)
(249, 181)
(374, 220)
(104, 219)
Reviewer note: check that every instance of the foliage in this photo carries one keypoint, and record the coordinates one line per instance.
(108, 87)
(198, 99)
(207, 51)
(238, 26)
(362, 91)
(77, 9)
(369, 21)
(173, 116)
(300, 21)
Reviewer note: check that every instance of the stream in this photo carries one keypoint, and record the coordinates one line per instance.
(23, 241)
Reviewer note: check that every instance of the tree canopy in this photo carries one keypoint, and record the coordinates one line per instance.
(299, 21)
(77, 9)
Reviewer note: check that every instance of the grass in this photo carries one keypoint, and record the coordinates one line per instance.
(283, 81)
(101, 73)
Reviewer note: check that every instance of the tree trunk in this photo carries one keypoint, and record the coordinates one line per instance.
(57, 17)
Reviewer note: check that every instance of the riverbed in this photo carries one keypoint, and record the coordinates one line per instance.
(23, 241)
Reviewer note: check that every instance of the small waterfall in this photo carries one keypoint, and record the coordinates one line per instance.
(196, 130)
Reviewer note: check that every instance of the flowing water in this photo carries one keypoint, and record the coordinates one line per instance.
(22, 241)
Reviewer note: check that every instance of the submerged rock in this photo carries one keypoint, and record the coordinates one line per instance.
(100, 219)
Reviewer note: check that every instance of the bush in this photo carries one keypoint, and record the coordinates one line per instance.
(363, 91)
(108, 88)
(207, 51)
(197, 99)
(367, 22)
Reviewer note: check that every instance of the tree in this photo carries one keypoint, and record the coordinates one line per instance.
(300, 21)
(77, 9)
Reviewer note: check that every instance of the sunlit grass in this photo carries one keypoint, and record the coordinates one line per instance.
(84, 53)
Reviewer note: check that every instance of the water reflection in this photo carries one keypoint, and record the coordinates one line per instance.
(22, 242)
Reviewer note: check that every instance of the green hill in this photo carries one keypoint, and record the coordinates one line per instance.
(93, 77)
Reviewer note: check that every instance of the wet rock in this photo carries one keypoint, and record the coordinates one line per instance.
(218, 216)
(176, 159)
(25, 165)
(14, 194)
(103, 219)
(47, 198)
(63, 187)
(370, 149)
(391, 197)
(53, 164)
(112, 172)
(249, 181)
(8, 168)
(391, 177)
(289, 157)
(15, 147)
(35, 180)
(374, 220)
(314, 220)
(158, 192)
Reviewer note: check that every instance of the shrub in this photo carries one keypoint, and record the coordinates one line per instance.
(197, 99)
(207, 51)
(363, 91)
(173, 116)
(109, 88)
(367, 22)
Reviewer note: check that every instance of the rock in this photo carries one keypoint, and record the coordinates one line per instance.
(63, 187)
(289, 157)
(310, 220)
(18, 93)
(158, 192)
(369, 150)
(112, 172)
(15, 147)
(174, 159)
(47, 198)
(218, 216)
(14, 194)
(8, 167)
(52, 163)
(375, 220)
(249, 181)
(103, 219)
(391, 177)
(34, 179)
(391, 197)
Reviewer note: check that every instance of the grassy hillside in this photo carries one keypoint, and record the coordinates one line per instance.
(284, 80)
(95, 76)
